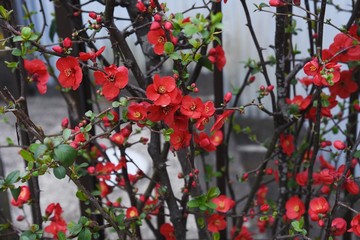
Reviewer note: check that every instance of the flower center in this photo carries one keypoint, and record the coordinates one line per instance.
(111, 78)
(68, 72)
(161, 89)
(193, 107)
(137, 115)
(161, 39)
(296, 208)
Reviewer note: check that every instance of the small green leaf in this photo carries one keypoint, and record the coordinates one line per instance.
(357, 154)
(88, 127)
(213, 193)
(193, 203)
(81, 196)
(40, 150)
(169, 48)
(190, 29)
(16, 52)
(216, 236)
(115, 104)
(15, 192)
(75, 228)
(61, 236)
(66, 134)
(26, 155)
(52, 30)
(12, 177)
(59, 172)
(65, 154)
(85, 234)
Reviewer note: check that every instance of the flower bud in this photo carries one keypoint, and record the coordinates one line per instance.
(168, 25)
(57, 49)
(270, 88)
(227, 97)
(93, 15)
(157, 18)
(67, 43)
(339, 145)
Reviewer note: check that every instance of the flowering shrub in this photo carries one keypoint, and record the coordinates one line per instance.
(314, 172)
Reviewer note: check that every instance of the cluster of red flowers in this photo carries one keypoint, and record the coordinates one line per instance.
(57, 223)
(170, 106)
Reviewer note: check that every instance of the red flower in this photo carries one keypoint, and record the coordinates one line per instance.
(140, 6)
(318, 206)
(345, 86)
(118, 139)
(23, 197)
(137, 111)
(216, 223)
(114, 79)
(345, 48)
(180, 139)
(91, 55)
(158, 38)
(220, 120)
(192, 107)
(104, 189)
(244, 234)
(132, 212)
(162, 90)
(168, 231)
(204, 142)
(223, 203)
(325, 75)
(295, 208)
(287, 144)
(355, 225)
(38, 73)
(70, 72)
(217, 56)
(351, 186)
(261, 194)
(338, 226)
(113, 121)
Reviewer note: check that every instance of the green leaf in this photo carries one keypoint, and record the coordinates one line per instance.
(61, 236)
(115, 104)
(65, 154)
(66, 134)
(213, 193)
(15, 192)
(12, 177)
(74, 228)
(175, 56)
(40, 150)
(89, 114)
(216, 236)
(59, 172)
(190, 29)
(26, 155)
(357, 154)
(52, 30)
(81, 196)
(85, 234)
(193, 203)
(205, 62)
(16, 52)
(201, 222)
(88, 127)
(169, 47)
